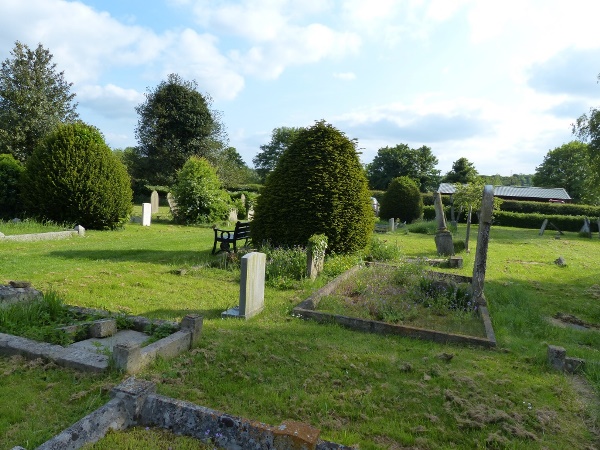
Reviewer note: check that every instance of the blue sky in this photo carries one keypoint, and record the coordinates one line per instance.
(497, 82)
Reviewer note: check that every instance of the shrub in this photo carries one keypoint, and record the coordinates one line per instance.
(317, 187)
(73, 177)
(200, 198)
(382, 250)
(285, 266)
(10, 174)
(402, 201)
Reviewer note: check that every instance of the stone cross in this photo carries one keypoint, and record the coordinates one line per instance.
(252, 287)
(483, 237)
(154, 200)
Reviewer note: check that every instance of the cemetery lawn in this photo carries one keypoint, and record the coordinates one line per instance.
(375, 392)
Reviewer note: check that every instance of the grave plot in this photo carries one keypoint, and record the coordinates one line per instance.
(39, 326)
(403, 301)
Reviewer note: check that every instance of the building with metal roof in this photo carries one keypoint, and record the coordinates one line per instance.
(525, 193)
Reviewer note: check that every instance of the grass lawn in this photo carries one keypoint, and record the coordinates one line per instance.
(359, 389)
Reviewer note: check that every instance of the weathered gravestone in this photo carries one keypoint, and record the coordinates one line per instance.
(586, 229)
(443, 237)
(146, 214)
(392, 224)
(485, 223)
(315, 258)
(252, 287)
(154, 201)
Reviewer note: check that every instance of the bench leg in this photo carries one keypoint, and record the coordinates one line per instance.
(214, 247)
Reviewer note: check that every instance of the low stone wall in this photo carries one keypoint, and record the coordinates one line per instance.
(52, 235)
(135, 403)
(307, 310)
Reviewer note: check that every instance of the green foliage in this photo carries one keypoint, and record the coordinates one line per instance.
(382, 250)
(471, 195)
(428, 199)
(285, 266)
(34, 100)
(37, 319)
(200, 198)
(532, 220)
(232, 169)
(266, 160)
(10, 175)
(402, 201)
(463, 171)
(516, 179)
(426, 226)
(73, 177)
(568, 167)
(401, 160)
(317, 187)
(175, 123)
(548, 208)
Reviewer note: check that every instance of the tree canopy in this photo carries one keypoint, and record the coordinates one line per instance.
(175, 122)
(401, 160)
(568, 166)
(266, 160)
(463, 171)
(317, 187)
(34, 100)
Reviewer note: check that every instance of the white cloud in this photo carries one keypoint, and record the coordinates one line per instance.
(109, 101)
(345, 76)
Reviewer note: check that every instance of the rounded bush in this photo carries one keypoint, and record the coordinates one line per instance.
(317, 187)
(10, 174)
(200, 198)
(402, 201)
(73, 177)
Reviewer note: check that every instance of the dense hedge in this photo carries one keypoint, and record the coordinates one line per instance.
(519, 220)
(548, 208)
(74, 177)
(402, 200)
(317, 187)
(10, 175)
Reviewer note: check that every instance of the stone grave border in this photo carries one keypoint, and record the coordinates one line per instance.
(130, 358)
(49, 236)
(135, 403)
(307, 310)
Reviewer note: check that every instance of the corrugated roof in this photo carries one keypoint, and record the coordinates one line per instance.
(517, 191)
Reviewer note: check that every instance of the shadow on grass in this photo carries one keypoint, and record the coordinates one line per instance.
(138, 255)
(165, 312)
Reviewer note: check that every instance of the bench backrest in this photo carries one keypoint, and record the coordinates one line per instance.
(242, 230)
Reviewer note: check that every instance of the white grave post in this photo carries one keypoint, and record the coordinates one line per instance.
(252, 287)
(392, 224)
(146, 214)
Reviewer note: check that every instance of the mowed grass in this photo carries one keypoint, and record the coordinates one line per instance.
(375, 392)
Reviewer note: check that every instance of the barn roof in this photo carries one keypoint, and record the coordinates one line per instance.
(517, 192)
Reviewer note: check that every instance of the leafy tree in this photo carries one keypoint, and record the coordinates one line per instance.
(401, 160)
(266, 160)
(73, 177)
(232, 169)
(568, 166)
(317, 187)
(402, 200)
(175, 123)
(463, 171)
(200, 198)
(34, 100)
(10, 175)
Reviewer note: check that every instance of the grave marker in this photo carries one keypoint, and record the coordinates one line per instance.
(252, 287)
(146, 214)
(154, 201)
(485, 223)
(443, 237)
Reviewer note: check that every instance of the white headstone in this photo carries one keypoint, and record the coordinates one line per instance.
(80, 230)
(252, 287)
(392, 224)
(146, 214)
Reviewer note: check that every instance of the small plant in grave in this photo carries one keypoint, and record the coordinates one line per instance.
(158, 332)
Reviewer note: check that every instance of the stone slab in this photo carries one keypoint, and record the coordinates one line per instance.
(105, 345)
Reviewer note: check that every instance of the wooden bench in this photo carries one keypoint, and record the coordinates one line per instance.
(228, 237)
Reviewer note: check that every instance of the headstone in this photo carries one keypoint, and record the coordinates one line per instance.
(154, 201)
(544, 225)
(80, 230)
(443, 237)
(483, 237)
(146, 214)
(392, 225)
(315, 258)
(252, 287)
(233, 216)
(172, 204)
(585, 229)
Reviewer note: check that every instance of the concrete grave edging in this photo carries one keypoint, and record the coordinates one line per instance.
(51, 235)
(135, 403)
(307, 310)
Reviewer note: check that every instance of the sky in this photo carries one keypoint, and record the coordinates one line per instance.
(496, 82)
